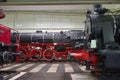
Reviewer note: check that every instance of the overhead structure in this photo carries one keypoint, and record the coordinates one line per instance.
(57, 2)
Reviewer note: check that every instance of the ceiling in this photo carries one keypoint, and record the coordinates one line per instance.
(57, 2)
(57, 6)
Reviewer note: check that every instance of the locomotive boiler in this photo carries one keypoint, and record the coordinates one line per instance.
(103, 51)
(50, 37)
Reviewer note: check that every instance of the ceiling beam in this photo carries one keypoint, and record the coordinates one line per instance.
(54, 7)
(61, 3)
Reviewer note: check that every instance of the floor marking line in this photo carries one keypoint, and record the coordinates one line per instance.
(82, 76)
(53, 68)
(10, 67)
(24, 67)
(18, 75)
(37, 68)
(68, 68)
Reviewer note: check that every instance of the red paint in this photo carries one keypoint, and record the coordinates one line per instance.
(47, 51)
(5, 34)
(86, 55)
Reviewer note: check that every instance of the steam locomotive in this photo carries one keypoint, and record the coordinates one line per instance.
(103, 50)
(48, 45)
(8, 51)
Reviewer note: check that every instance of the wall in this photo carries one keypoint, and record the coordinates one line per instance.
(32, 21)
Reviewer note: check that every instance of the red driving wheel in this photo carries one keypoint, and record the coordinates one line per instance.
(35, 54)
(48, 55)
(24, 54)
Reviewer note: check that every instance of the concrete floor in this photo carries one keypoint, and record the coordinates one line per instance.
(48, 71)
